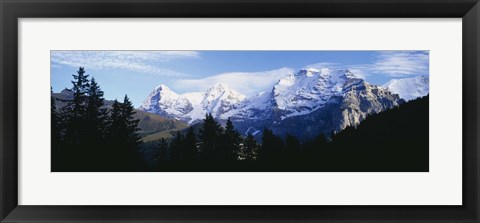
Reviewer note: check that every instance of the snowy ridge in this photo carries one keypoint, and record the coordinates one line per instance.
(409, 88)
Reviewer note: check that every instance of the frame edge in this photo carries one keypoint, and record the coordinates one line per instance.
(9, 111)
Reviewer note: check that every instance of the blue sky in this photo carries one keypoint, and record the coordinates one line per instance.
(137, 73)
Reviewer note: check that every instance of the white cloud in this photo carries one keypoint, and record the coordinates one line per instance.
(402, 63)
(179, 54)
(248, 83)
(138, 61)
(324, 65)
(388, 63)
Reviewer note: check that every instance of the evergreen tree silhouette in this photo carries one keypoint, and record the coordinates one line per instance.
(132, 139)
(74, 114)
(209, 139)
(123, 139)
(95, 112)
(177, 146)
(321, 140)
(95, 126)
(249, 148)
(316, 148)
(131, 123)
(232, 142)
(163, 153)
(272, 146)
(56, 152)
(292, 146)
(115, 151)
(189, 151)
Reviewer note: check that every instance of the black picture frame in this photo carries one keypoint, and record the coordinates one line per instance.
(12, 10)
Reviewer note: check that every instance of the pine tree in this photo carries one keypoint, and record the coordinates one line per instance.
(96, 115)
(249, 148)
(272, 146)
(321, 140)
(316, 148)
(74, 116)
(209, 138)
(95, 124)
(114, 152)
(163, 150)
(132, 140)
(131, 123)
(55, 135)
(177, 146)
(190, 146)
(80, 88)
(115, 124)
(292, 148)
(54, 119)
(123, 139)
(232, 142)
(74, 111)
(291, 143)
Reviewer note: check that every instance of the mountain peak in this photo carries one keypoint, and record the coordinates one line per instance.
(220, 87)
(350, 74)
(162, 87)
(67, 92)
(326, 72)
(217, 90)
(422, 78)
(309, 72)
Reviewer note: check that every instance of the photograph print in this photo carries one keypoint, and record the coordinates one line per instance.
(239, 111)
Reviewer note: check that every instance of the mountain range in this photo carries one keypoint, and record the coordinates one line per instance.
(304, 104)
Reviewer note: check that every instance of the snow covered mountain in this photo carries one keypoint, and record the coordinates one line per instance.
(192, 107)
(314, 101)
(409, 88)
(309, 90)
(304, 103)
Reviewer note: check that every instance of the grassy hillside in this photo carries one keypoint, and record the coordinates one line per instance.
(169, 133)
(158, 135)
(151, 123)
